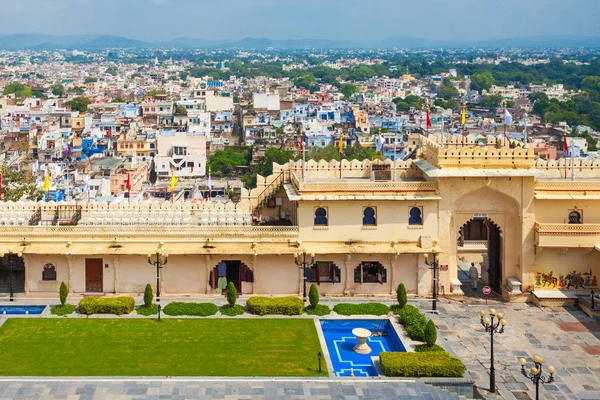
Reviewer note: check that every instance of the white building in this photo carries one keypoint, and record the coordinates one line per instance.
(184, 152)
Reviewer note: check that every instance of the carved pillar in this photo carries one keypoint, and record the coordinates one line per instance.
(393, 264)
(115, 262)
(70, 272)
(27, 272)
(349, 274)
(208, 268)
(254, 266)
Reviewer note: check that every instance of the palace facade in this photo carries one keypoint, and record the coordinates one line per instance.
(368, 226)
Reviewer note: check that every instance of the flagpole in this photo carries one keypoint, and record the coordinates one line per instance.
(525, 131)
(566, 149)
(341, 153)
(394, 156)
(427, 118)
(303, 160)
(463, 119)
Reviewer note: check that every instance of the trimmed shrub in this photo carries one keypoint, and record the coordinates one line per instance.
(148, 296)
(401, 295)
(361, 309)
(414, 322)
(195, 309)
(313, 296)
(114, 305)
(422, 348)
(62, 309)
(63, 293)
(430, 333)
(231, 294)
(147, 310)
(427, 364)
(232, 311)
(319, 310)
(261, 305)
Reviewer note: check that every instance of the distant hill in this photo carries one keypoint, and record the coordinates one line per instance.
(25, 41)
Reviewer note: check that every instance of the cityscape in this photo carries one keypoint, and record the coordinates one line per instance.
(258, 215)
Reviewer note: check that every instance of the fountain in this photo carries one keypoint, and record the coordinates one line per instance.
(361, 335)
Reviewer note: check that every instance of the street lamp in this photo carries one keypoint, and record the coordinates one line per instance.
(300, 260)
(434, 266)
(161, 260)
(536, 373)
(11, 265)
(491, 327)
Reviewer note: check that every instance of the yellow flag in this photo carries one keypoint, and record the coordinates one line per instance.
(463, 117)
(173, 181)
(46, 185)
(341, 142)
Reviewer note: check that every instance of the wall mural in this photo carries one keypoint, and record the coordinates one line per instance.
(571, 280)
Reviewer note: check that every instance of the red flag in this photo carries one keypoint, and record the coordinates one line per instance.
(128, 184)
(301, 142)
(565, 142)
(428, 119)
(108, 133)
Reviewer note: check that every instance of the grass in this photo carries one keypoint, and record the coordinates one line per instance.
(195, 309)
(147, 347)
(143, 310)
(319, 310)
(63, 310)
(423, 348)
(361, 309)
(232, 311)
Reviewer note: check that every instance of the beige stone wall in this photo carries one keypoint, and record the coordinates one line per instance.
(558, 263)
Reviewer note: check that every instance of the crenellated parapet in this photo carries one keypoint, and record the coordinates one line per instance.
(579, 167)
(510, 156)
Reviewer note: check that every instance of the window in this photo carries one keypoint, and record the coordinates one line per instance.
(323, 271)
(415, 216)
(370, 272)
(321, 216)
(369, 216)
(575, 217)
(49, 273)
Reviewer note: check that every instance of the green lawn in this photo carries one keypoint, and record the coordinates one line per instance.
(146, 347)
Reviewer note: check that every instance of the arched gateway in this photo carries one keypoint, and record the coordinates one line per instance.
(482, 234)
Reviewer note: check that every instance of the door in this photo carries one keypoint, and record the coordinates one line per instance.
(93, 275)
(233, 274)
(494, 257)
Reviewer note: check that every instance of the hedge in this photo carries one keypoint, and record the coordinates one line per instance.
(361, 309)
(289, 305)
(195, 309)
(111, 305)
(414, 322)
(61, 310)
(428, 364)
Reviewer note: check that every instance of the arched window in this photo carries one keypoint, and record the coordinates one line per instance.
(49, 272)
(415, 216)
(575, 217)
(321, 216)
(370, 272)
(369, 216)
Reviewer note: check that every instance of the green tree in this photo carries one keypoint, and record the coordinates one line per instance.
(90, 80)
(79, 103)
(313, 296)
(155, 92)
(430, 334)
(63, 293)
(18, 89)
(77, 90)
(482, 80)
(348, 89)
(447, 91)
(112, 71)
(17, 183)
(148, 295)
(58, 90)
(118, 100)
(231, 294)
(226, 160)
(264, 166)
(401, 295)
(307, 81)
(491, 102)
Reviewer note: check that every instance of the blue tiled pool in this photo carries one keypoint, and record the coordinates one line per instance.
(21, 310)
(340, 342)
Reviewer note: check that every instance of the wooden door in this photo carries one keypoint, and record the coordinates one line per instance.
(93, 275)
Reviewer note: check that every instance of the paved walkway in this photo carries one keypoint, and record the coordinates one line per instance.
(248, 389)
(565, 338)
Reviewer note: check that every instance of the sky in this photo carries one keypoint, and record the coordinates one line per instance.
(161, 20)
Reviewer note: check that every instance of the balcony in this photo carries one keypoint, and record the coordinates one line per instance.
(566, 236)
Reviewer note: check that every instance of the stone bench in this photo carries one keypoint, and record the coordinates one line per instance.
(514, 286)
(456, 287)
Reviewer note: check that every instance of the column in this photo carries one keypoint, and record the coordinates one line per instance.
(349, 274)
(26, 262)
(115, 262)
(70, 271)
(393, 264)
(207, 264)
(254, 265)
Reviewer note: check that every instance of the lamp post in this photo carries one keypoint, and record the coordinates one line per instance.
(301, 261)
(491, 327)
(536, 373)
(434, 266)
(11, 265)
(160, 261)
